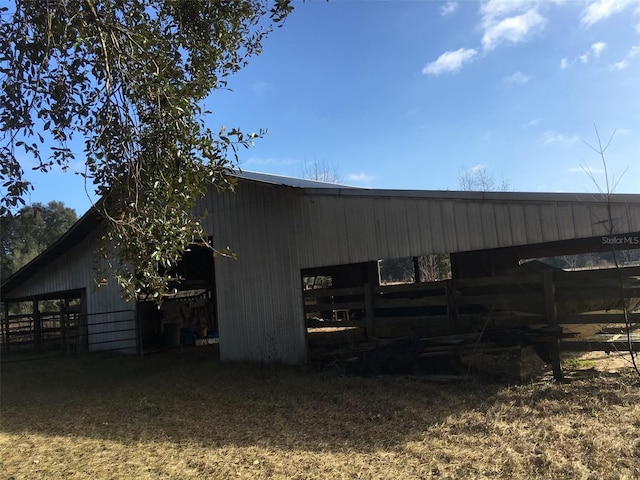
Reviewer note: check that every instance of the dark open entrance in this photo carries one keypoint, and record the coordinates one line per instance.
(496, 304)
(188, 315)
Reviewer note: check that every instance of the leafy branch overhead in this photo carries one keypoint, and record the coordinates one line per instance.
(128, 77)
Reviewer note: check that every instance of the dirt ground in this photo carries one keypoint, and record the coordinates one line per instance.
(612, 362)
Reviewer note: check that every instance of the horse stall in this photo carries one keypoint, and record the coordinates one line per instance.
(501, 326)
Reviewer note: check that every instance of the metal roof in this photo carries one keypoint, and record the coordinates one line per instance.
(92, 218)
(315, 187)
(289, 181)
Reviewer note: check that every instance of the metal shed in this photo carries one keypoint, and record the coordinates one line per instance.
(280, 226)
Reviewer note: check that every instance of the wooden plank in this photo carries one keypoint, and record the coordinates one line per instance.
(552, 320)
(452, 306)
(369, 312)
(504, 299)
(411, 287)
(333, 292)
(321, 307)
(587, 292)
(312, 323)
(595, 318)
(500, 280)
(410, 302)
(586, 346)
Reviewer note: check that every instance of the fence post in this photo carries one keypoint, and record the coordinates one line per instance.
(37, 327)
(552, 320)
(6, 327)
(370, 318)
(452, 305)
(64, 336)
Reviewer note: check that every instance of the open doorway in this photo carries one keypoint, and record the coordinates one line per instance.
(187, 315)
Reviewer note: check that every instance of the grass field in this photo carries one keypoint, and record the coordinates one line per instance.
(184, 415)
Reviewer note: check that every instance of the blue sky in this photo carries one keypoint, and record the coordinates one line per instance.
(407, 94)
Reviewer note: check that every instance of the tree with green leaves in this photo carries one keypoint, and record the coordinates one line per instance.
(129, 78)
(30, 232)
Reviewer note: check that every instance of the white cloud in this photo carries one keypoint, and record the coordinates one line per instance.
(501, 22)
(586, 169)
(624, 63)
(602, 9)
(479, 167)
(361, 177)
(493, 9)
(448, 8)
(597, 48)
(554, 138)
(534, 122)
(512, 30)
(517, 78)
(451, 61)
(594, 52)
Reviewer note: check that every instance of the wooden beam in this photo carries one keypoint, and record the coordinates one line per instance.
(452, 305)
(586, 346)
(37, 326)
(5, 326)
(370, 318)
(552, 321)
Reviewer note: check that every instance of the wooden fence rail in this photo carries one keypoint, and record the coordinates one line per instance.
(465, 305)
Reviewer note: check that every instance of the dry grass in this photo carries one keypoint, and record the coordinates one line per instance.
(184, 415)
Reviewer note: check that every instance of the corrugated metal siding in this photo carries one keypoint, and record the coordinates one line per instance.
(74, 270)
(370, 228)
(276, 231)
(259, 302)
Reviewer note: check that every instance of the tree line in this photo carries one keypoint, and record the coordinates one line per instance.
(28, 233)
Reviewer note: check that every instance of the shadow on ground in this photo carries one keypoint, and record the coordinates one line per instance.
(188, 396)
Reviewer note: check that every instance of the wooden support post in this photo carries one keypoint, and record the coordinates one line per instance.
(6, 327)
(37, 327)
(552, 321)
(416, 270)
(64, 337)
(452, 306)
(370, 317)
